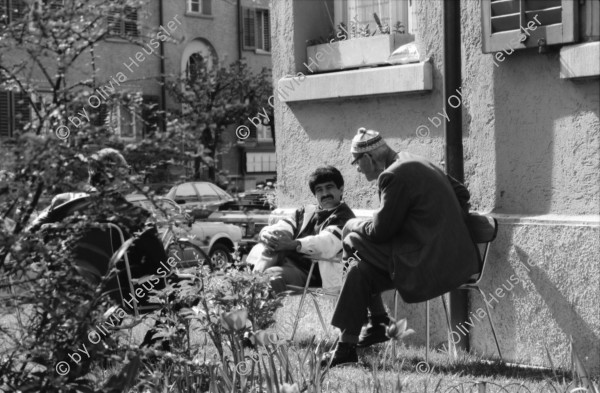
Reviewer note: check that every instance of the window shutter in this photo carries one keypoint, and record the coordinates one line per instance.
(113, 22)
(505, 23)
(5, 115)
(266, 32)
(123, 23)
(100, 115)
(15, 112)
(206, 7)
(259, 34)
(131, 22)
(18, 8)
(249, 28)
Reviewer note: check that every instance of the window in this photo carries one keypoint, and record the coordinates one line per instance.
(256, 29)
(15, 112)
(195, 67)
(121, 119)
(263, 133)
(126, 128)
(206, 192)
(12, 10)
(222, 194)
(517, 24)
(263, 33)
(185, 191)
(129, 122)
(203, 7)
(260, 162)
(123, 24)
(357, 14)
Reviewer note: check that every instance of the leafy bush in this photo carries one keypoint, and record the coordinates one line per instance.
(61, 333)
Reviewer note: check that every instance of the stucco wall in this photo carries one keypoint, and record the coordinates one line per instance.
(553, 294)
(531, 147)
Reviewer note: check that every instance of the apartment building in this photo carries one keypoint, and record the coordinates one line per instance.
(161, 37)
(526, 103)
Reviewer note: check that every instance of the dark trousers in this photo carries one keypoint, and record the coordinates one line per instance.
(289, 273)
(367, 276)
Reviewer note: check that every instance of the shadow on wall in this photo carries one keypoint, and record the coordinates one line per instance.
(563, 312)
(538, 151)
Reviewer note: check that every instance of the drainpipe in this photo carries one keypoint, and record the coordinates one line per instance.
(239, 28)
(240, 149)
(453, 132)
(163, 88)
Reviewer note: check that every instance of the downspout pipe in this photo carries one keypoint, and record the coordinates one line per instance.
(453, 131)
(239, 28)
(163, 82)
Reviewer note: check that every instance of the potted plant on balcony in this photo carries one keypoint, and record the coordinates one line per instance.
(356, 47)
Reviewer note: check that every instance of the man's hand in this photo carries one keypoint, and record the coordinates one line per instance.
(279, 241)
(351, 226)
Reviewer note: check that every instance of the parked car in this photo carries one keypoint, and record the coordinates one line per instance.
(216, 239)
(249, 221)
(262, 197)
(199, 198)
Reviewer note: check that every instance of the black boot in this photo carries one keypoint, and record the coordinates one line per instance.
(343, 353)
(374, 333)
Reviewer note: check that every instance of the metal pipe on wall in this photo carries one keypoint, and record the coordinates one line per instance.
(453, 131)
(163, 87)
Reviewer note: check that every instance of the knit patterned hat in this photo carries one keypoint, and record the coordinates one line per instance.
(366, 140)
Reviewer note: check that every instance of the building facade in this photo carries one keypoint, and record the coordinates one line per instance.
(529, 106)
(170, 36)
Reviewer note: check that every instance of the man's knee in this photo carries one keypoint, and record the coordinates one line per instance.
(286, 275)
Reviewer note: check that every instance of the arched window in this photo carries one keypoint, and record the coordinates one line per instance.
(195, 66)
(198, 56)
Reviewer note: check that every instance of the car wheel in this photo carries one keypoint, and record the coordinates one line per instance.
(220, 255)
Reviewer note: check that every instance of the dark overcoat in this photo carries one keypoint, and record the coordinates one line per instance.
(420, 214)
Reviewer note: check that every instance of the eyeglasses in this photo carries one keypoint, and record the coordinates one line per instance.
(357, 159)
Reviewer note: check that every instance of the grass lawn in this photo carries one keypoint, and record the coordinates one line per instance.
(467, 373)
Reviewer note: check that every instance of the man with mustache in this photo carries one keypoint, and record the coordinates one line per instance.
(417, 242)
(314, 231)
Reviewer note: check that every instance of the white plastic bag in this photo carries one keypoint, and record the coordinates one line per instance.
(405, 54)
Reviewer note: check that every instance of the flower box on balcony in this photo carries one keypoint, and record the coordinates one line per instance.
(354, 53)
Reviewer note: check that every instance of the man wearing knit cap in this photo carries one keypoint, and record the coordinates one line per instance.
(417, 242)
